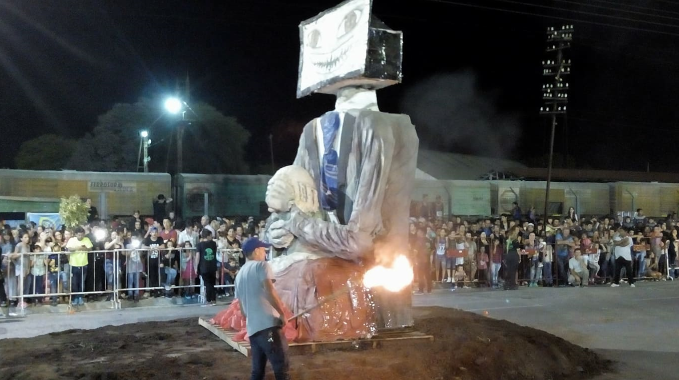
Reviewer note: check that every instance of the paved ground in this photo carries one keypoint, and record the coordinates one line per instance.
(637, 327)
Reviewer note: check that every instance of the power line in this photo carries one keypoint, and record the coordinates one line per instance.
(633, 6)
(586, 13)
(552, 17)
(615, 9)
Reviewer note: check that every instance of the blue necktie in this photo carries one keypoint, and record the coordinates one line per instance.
(330, 123)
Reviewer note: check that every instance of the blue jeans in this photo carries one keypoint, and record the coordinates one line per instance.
(641, 268)
(562, 268)
(547, 273)
(78, 282)
(535, 271)
(108, 269)
(269, 344)
(133, 282)
(170, 274)
(53, 278)
(494, 269)
(38, 286)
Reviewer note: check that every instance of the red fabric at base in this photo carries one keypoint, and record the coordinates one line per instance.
(231, 319)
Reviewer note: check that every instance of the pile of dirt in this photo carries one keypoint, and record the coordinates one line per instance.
(466, 346)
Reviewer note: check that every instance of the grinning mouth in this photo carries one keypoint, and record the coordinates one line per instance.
(326, 63)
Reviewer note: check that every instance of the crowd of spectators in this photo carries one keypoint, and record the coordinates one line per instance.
(151, 256)
(156, 256)
(519, 249)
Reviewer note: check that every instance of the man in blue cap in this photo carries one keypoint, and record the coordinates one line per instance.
(263, 311)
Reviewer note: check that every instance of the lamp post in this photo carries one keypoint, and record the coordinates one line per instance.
(144, 143)
(273, 165)
(174, 106)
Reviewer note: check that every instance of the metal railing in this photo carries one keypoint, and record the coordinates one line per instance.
(118, 274)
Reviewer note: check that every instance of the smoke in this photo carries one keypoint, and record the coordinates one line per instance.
(452, 113)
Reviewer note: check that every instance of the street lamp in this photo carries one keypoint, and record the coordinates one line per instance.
(173, 105)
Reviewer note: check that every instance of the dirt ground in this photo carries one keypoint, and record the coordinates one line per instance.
(466, 346)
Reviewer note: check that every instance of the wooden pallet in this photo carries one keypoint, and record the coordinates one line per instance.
(385, 338)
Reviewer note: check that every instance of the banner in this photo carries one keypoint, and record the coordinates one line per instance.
(47, 220)
(111, 187)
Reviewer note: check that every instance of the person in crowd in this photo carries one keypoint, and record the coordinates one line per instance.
(460, 278)
(512, 258)
(168, 232)
(422, 263)
(92, 213)
(440, 259)
(623, 257)
(160, 207)
(56, 275)
(207, 265)
(482, 272)
(572, 215)
(154, 244)
(578, 271)
(8, 273)
(565, 243)
(37, 275)
(113, 248)
(188, 269)
(79, 246)
(134, 266)
(170, 264)
(497, 259)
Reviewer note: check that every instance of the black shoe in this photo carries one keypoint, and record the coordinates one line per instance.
(54, 303)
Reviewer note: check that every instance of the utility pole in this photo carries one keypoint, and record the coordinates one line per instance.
(555, 91)
(144, 143)
(273, 166)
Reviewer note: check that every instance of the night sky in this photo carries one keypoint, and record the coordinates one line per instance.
(472, 73)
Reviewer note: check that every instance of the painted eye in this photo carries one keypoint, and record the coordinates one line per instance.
(314, 39)
(349, 22)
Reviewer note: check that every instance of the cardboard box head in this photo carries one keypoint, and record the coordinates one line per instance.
(346, 46)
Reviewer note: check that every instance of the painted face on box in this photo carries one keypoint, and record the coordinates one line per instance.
(347, 46)
(335, 43)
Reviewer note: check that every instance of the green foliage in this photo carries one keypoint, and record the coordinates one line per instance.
(213, 142)
(73, 211)
(46, 152)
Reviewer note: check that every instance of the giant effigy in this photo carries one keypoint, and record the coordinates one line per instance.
(340, 212)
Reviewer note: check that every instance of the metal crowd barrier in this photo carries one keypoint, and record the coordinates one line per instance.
(48, 276)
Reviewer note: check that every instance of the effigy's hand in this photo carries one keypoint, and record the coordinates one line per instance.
(279, 196)
(280, 235)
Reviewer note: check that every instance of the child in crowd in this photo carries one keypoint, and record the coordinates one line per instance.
(38, 270)
(170, 260)
(188, 270)
(482, 270)
(460, 277)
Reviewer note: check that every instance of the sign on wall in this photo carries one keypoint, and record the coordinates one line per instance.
(111, 187)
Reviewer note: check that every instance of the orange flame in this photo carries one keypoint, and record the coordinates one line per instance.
(393, 279)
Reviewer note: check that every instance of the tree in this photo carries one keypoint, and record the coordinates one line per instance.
(213, 143)
(73, 211)
(46, 152)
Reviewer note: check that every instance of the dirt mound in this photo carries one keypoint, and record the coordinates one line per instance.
(466, 346)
